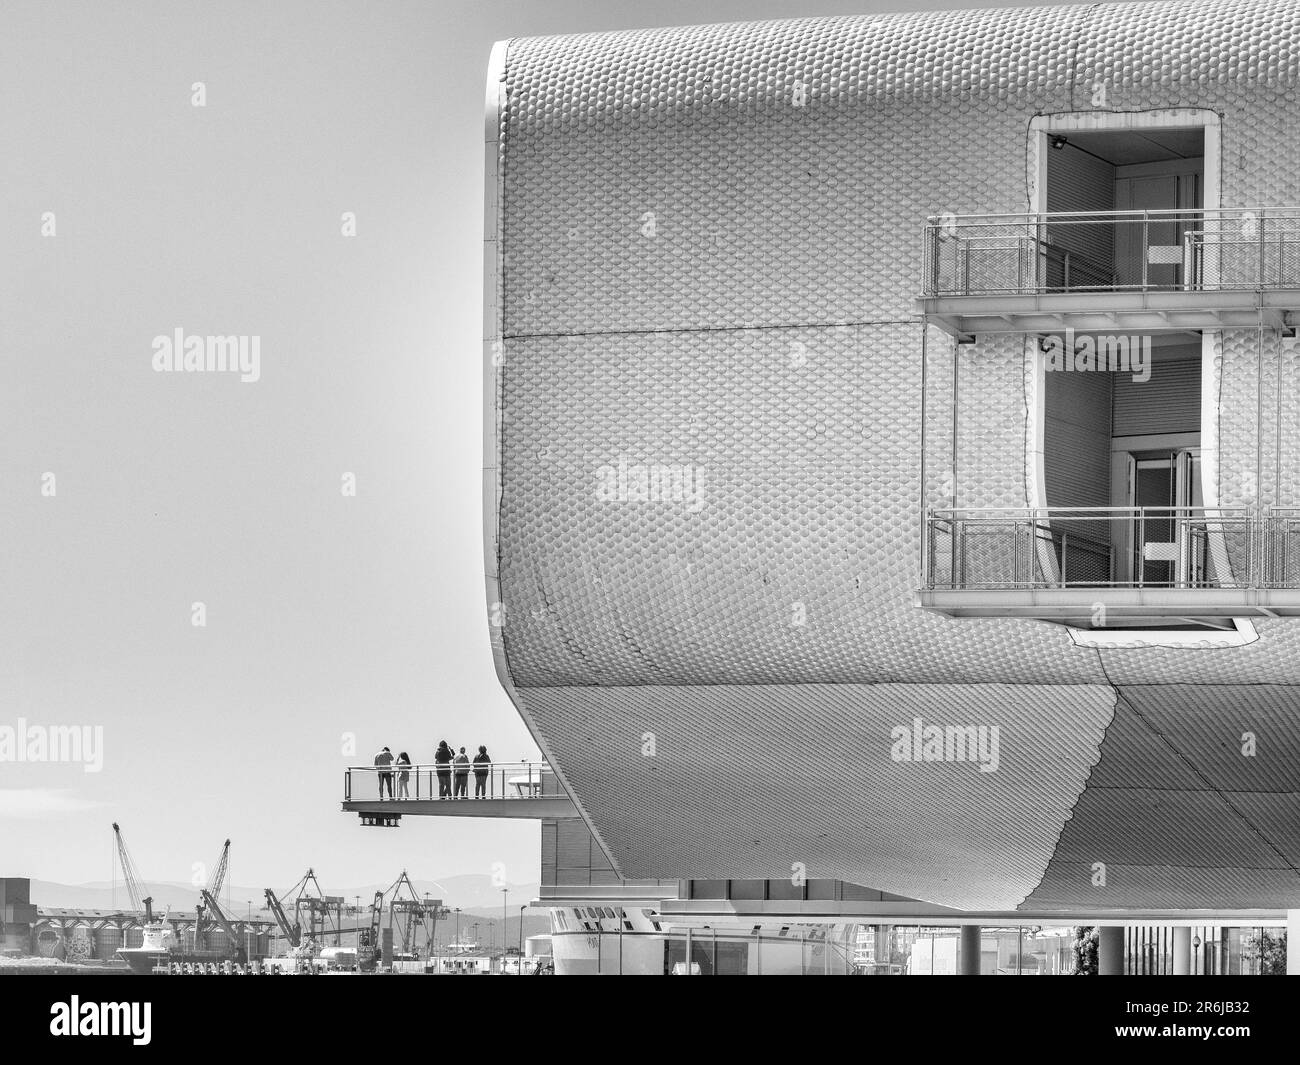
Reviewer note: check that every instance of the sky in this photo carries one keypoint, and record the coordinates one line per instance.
(308, 176)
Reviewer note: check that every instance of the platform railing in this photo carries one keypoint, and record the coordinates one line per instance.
(1112, 251)
(501, 780)
(1107, 547)
(1280, 553)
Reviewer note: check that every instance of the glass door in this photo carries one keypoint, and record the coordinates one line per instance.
(1153, 495)
(1187, 491)
(1165, 487)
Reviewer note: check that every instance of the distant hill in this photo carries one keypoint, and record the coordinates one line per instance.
(468, 891)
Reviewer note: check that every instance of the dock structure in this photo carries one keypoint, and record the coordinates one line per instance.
(77, 934)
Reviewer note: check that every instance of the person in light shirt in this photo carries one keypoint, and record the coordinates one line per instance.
(462, 775)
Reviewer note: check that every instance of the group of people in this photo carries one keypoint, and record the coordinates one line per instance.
(449, 766)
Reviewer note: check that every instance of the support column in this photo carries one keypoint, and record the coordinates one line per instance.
(1182, 951)
(1110, 950)
(969, 951)
(1293, 942)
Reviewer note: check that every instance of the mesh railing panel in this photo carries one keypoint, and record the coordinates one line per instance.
(977, 255)
(1151, 548)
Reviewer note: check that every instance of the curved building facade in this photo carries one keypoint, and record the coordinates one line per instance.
(804, 554)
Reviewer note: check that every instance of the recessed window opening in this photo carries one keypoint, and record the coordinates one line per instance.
(1156, 176)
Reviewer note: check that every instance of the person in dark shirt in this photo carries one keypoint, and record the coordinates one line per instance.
(443, 761)
(482, 766)
(383, 760)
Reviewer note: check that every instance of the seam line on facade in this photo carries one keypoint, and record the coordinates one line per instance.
(1208, 787)
(712, 329)
(1114, 712)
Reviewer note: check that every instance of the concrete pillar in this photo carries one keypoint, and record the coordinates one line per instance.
(968, 953)
(1182, 951)
(1110, 950)
(1293, 942)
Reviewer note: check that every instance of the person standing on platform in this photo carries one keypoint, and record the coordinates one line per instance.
(482, 766)
(384, 759)
(462, 775)
(442, 759)
(403, 760)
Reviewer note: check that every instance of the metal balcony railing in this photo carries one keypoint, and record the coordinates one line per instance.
(498, 780)
(1280, 550)
(1111, 547)
(1116, 251)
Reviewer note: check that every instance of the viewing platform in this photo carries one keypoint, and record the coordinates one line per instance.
(527, 790)
(1183, 271)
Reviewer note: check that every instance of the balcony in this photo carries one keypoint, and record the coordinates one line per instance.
(1113, 567)
(1119, 271)
(381, 797)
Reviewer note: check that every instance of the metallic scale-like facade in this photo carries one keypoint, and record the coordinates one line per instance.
(704, 251)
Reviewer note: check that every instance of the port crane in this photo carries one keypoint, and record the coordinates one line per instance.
(323, 912)
(409, 914)
(132, 877)
(291, 932)
(369, 953)
(212, 889)
(211, 905)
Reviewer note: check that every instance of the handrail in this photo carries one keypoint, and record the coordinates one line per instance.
(1169, 249)
(434, 780)
(1236, 214)
(1070, 547)
(1053, 511)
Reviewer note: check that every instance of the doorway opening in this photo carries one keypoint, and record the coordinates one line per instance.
(1122, 473)
(1158, 173)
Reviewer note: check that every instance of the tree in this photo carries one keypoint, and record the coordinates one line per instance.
(1267, 950)
(1085, 951)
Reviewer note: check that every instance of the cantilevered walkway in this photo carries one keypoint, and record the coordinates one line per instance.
(528, 790)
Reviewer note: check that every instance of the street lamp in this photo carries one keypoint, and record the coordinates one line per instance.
(505, 898)
(521, 936)
(456, 945)
(1196, 953)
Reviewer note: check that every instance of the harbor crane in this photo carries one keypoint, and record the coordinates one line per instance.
(213, 889)
(409, 915)
(370, 953)
(132, 877)
(323, 912)
(291, 932)
(211, 905)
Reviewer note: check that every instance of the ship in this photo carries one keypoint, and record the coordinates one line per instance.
(159, 946)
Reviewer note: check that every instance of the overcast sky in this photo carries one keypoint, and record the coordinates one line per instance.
(129, 213)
